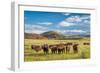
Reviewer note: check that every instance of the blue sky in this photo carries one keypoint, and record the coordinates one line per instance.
(63, 22)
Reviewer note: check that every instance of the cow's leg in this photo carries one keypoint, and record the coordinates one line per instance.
(62, 51)
(66, 49)
(47, 51)
(44, 52)
(59, 51)
(52, 51)
(56, 51)
(75, 50)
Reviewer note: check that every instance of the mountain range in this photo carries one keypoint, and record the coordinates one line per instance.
(53, 35)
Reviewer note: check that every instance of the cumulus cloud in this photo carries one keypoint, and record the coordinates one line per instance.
(70, 31)
(66, 24)
(46, 23)
(78, 31)
(66, 14)
(34, 31)
(70, 21)
(73, 19)
(28, 26)
(34, 28)
(85, 17)
(86, 22)
(77, 18)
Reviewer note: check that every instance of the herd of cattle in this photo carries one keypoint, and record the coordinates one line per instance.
(58, 48)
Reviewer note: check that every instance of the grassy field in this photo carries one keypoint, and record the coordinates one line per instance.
(31, 55)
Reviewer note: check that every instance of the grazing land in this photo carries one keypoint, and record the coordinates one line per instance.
(32, 55)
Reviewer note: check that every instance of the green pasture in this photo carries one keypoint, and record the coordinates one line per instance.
(31, 55)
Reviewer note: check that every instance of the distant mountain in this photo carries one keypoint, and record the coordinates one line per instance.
(85, 35)
(33, 36)
(75, 37)
(81, 36)
(77, 34)
(53, 35)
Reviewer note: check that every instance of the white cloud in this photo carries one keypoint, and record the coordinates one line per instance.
(85, 17)
(66, 24)
(61, 31)
(70, 31)
(34, 31)
(77, 18)
(86, 21)
(78, 31)
(66, 14)
(46, 23)
(73, 19)
(34, 28)
(28, 26)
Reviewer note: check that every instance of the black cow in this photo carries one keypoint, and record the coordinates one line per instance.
(45, 48)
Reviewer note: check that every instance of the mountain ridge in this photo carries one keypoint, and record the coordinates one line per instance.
(53, 35)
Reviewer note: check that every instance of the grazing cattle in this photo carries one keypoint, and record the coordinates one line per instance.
(68, 47)
(70, 43)
(75, 48)
(37, 48)
(45, 48)
(86, 43)
(56, 48)
(60, 48)
(53, 49)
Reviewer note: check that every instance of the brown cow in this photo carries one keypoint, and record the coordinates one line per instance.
(53, 49)
(75, 48)
(37, 48)
(86, 43)
(61, 48)
(68, 47)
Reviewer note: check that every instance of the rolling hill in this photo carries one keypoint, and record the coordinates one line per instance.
(33, 36)
(53, 35)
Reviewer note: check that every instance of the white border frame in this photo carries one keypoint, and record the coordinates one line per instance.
(17, 62)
